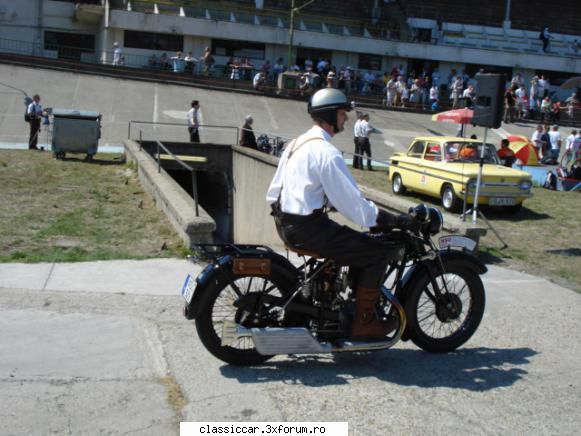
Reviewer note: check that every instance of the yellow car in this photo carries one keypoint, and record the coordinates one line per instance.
(447, 168)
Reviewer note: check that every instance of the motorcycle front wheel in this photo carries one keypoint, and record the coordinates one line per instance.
(442, 324)
(218, 307)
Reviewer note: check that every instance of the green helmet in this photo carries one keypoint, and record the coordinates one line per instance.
(325, 103)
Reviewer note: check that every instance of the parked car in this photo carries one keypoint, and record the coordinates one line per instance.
(447, 168)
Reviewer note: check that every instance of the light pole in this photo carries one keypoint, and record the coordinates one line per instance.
(291, 28)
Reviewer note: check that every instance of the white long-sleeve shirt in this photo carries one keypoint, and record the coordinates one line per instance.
(316, 171)
(192, 116)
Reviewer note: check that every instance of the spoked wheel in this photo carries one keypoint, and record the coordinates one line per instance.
(443, 323)
(218, 307)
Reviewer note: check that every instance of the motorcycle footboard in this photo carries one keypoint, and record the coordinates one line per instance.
(269, 341)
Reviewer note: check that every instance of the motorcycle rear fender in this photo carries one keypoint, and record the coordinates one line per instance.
(419, 269)
(222, 271)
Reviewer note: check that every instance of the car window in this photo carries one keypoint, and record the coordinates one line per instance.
(433, 152)
(417, 149)
(470, 151)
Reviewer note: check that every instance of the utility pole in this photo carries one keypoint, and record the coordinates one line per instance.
(291, 28)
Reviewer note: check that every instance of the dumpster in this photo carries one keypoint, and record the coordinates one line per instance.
(75, 132)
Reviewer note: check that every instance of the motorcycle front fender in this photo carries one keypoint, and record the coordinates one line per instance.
(471, 262)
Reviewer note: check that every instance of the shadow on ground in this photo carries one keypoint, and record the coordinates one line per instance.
(473, 369)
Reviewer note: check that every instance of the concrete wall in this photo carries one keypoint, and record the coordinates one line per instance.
(178, 206)
(252, 173)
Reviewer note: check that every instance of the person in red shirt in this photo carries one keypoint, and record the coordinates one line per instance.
(505, 154)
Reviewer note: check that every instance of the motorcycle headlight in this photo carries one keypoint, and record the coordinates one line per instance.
(525, 185)
(436, 221)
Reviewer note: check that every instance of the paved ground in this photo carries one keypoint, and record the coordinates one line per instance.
(100, 347)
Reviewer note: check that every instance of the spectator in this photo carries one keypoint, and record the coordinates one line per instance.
(521, 107)
(468, 95)
(178, 63)
(570, 141)
(543, 87)
(246, 67)
(357, 158)
(391, 92)
(163, 63)
(117, 54)
(534, 97)
(517, 81)
(572, 102)
(331, 80)
(234, 72)
(194, 122)
(555, 137)
(457, 87)
(536, 139)
(509, 105)
(190, 61)
(434, 96)
(546, 106)
(259, 81)
(546, 142)
(545, 37)
(33, 115)
(505, 154)
(208, 61)
(365, 129)
(278, 68)
(247, 138)
(266, 69)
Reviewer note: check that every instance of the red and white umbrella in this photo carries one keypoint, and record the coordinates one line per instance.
(458, 116)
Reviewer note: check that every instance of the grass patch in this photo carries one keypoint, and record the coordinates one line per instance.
(543, 238)
(72, 210)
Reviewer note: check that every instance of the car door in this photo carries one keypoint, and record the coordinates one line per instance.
(429, 181)
(412, 167)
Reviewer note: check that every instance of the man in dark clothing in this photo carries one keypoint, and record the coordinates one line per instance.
(34, 115)
(509, 105)
(247, 138)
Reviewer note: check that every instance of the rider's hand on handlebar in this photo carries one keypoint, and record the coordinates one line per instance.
(407, 222)
(386, 222)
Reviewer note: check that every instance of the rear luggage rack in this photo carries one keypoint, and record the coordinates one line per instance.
(215, 251)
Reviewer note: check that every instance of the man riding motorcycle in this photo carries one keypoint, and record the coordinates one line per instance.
(312, 177)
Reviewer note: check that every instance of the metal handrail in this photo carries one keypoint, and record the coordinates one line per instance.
(185, 166)
(158, 123)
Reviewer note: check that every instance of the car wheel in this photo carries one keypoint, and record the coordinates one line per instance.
(449, 200)
(397, 185)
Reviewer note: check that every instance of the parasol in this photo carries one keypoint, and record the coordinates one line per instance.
(523, 149)
(458, 116)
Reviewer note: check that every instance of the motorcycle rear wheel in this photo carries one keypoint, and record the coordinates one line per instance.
(444, 324)
(218, 307)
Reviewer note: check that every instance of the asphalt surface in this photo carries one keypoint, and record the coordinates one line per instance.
(121, 101)
(102, 347)
(99, 348)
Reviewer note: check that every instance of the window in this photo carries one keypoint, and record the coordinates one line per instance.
(369, 62)
(434, 152)
(238, 49)
(417, 149)
(69, 45)
(153, 41)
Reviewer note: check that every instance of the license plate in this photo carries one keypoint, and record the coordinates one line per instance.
(457, 241)
(188, 288)
(501, 201)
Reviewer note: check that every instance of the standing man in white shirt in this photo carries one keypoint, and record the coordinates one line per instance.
(311, 176)
(34, 115)
(357, 158)
(555, 136)
(193, 121)
(365, 130)
(117, 54)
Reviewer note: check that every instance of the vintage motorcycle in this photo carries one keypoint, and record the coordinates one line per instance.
(251, 303)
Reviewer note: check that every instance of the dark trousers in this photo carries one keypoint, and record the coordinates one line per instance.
(357, 159)
(367, 257)
(34, 132)
(365, 147)
(194, 134)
